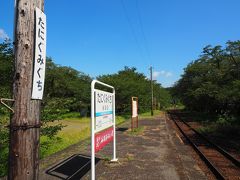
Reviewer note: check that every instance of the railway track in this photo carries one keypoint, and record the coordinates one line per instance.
(220, 162)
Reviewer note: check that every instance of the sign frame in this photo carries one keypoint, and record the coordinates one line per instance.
(93, 131)
(134, 112)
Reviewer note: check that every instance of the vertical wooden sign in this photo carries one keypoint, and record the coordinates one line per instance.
(40, 55)
(134, 112)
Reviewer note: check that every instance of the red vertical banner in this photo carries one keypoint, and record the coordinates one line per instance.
(103, 138)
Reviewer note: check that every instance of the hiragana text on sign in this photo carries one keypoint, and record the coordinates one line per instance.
(40, 55)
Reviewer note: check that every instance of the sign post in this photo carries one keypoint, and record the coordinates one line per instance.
(134, 111)
(102, 121)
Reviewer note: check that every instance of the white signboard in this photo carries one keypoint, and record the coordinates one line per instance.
(104, 110)
(40, 55)
(134, 109)
(102, 121)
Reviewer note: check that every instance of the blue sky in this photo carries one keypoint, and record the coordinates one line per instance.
(102, 36)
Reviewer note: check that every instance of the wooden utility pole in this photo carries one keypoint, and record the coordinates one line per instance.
(151, 90)
(25, 122)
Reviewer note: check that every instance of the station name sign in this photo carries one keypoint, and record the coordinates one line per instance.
(39, 55)
(102, 121)
(104, 110)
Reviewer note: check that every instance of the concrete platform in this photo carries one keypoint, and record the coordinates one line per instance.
(156, 152)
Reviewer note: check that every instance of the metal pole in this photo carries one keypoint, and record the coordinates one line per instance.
(92, 132)
(151, 91)
(25, 122)
(93, 126)
(114, 130)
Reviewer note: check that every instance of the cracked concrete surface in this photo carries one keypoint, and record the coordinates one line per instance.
(156, 153)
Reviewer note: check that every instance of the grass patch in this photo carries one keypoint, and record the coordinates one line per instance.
(106, 157)
(147, 115)
(75, 130)
(120, 120)
(198, 117)
(75, 115)
(136, 131)
(4, 144)
(61, 141)
(130, 157)
(228, 135)
(221, 128)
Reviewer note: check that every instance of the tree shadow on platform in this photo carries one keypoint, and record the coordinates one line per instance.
(74, 167)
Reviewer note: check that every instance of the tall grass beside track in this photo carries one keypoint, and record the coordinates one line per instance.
(223, 128)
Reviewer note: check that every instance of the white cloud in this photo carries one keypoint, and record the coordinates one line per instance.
(162, 73)
(156, 74)
(168, 74)
(3, 34)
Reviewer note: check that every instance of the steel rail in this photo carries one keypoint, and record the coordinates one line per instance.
(221, 150)
(215, 171)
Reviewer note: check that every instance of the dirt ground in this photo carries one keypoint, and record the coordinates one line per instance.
(155, 152)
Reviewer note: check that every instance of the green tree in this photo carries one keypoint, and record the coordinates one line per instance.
(211, 83)
(128, 82)
(6, 71)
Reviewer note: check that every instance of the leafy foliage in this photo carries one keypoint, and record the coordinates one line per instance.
(212, 82)
(64, 88)
(67, 91)
(6, 71)
(4, 134)
(128, 83)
